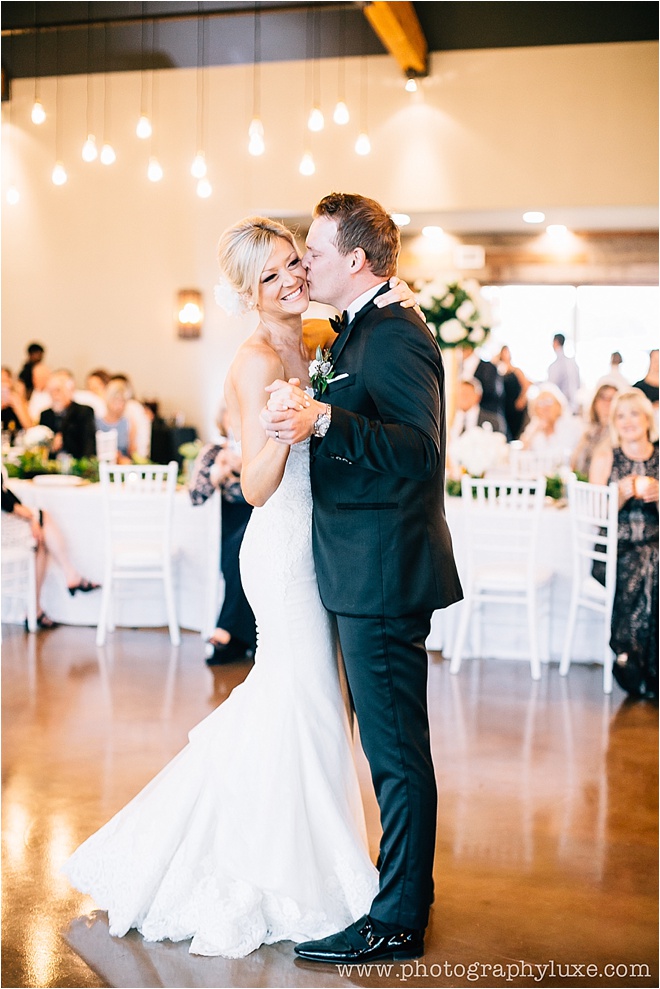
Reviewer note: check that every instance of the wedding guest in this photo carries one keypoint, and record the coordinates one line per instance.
(140, 419)
(649, 383)
(93, 394)
(218, 466)
(97, 381)
(564, 373)
(35, 353)
(614, 376)
(632, 462)
(596, 431)
(72, 424)
(115, 418)
(516, 385)
(470, 412)
(38, 528)
(485, 372)
(162, 449)
(15, 414)
(551, 428)
(40, 398)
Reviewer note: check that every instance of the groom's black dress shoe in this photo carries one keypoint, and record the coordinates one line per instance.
(361, 943)
(228, 652)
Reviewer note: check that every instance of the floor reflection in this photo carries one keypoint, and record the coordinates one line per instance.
(547, 822)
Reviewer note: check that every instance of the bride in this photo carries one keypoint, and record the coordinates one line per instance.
(254, 833)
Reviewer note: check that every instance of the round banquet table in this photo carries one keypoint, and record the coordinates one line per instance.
(504, 627)
(78, 512)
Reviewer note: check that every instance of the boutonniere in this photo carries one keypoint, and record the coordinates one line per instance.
(321, 370)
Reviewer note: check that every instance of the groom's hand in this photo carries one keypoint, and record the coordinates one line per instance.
(290, 414)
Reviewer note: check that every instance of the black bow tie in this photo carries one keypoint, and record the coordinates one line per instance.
(339, 323)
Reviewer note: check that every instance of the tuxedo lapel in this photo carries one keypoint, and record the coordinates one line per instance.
(340, 342)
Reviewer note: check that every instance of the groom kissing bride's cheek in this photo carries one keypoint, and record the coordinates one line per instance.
(254, 833)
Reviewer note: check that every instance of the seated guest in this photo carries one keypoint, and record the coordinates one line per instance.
(36, 526)
(40, 398)
(596, 431)
(469, 411)
(162, 438)
(218, 465)
(632, 461)
(116, 397)
(140, 419)
(15, 414)
(93, 394)
(72, 424)
(35, 354)
(649, 383)
(551, 428)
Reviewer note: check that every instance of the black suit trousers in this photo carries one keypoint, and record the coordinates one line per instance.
(236, 615)
(387, 670)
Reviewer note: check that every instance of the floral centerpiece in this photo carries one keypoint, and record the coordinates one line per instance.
(456, 313)
(479, 450)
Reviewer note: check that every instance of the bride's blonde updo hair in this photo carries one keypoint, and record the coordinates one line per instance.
(243, 251)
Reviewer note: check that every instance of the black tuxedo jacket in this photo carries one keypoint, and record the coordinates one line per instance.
(77, 427)
(381, 542)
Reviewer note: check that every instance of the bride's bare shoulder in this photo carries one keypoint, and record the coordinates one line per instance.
(254, 358)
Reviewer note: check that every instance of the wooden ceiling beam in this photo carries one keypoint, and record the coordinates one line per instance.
(397, 26)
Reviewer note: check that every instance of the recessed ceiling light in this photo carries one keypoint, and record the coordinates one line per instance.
(433, 232)
(401, 219)
(533, 216)
(556, 230)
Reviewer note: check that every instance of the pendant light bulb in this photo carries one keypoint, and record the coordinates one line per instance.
(143, 129)
(256, 144)
(89, 149)
(204, 188)
(108, 156)
(363, 144)
(13, 195)
(154, 170)
(315, 121)
(59, 175)
(411, 85)
(198, 167)
(307, 166)
(38, 113)
(341, 114)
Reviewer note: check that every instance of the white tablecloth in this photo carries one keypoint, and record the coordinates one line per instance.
(196, 539)
(198, 583)
(504, 628)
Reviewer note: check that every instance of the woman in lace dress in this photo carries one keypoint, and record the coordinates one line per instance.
(254, 833)
(633, 464)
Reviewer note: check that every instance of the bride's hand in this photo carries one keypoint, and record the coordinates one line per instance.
(401, 292)
(286, 395)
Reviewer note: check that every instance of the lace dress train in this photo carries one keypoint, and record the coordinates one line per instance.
(254, 832)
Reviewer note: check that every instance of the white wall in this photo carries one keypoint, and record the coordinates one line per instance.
(91, 268)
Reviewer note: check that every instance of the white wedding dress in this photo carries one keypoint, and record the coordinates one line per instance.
(254, 832)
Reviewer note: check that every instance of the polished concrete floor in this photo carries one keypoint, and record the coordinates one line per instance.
(546, 864)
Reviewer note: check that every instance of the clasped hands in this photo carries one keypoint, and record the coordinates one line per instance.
(640, 487)
(290, 413)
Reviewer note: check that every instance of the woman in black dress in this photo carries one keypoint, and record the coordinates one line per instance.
(633, 464)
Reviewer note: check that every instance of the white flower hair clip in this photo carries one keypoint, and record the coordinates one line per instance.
(234, 303)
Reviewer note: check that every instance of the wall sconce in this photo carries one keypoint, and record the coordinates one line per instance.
(189, 313)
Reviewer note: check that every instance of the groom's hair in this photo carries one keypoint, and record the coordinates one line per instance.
(363, 222)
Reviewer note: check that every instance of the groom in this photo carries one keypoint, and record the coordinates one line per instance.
(382, 548)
